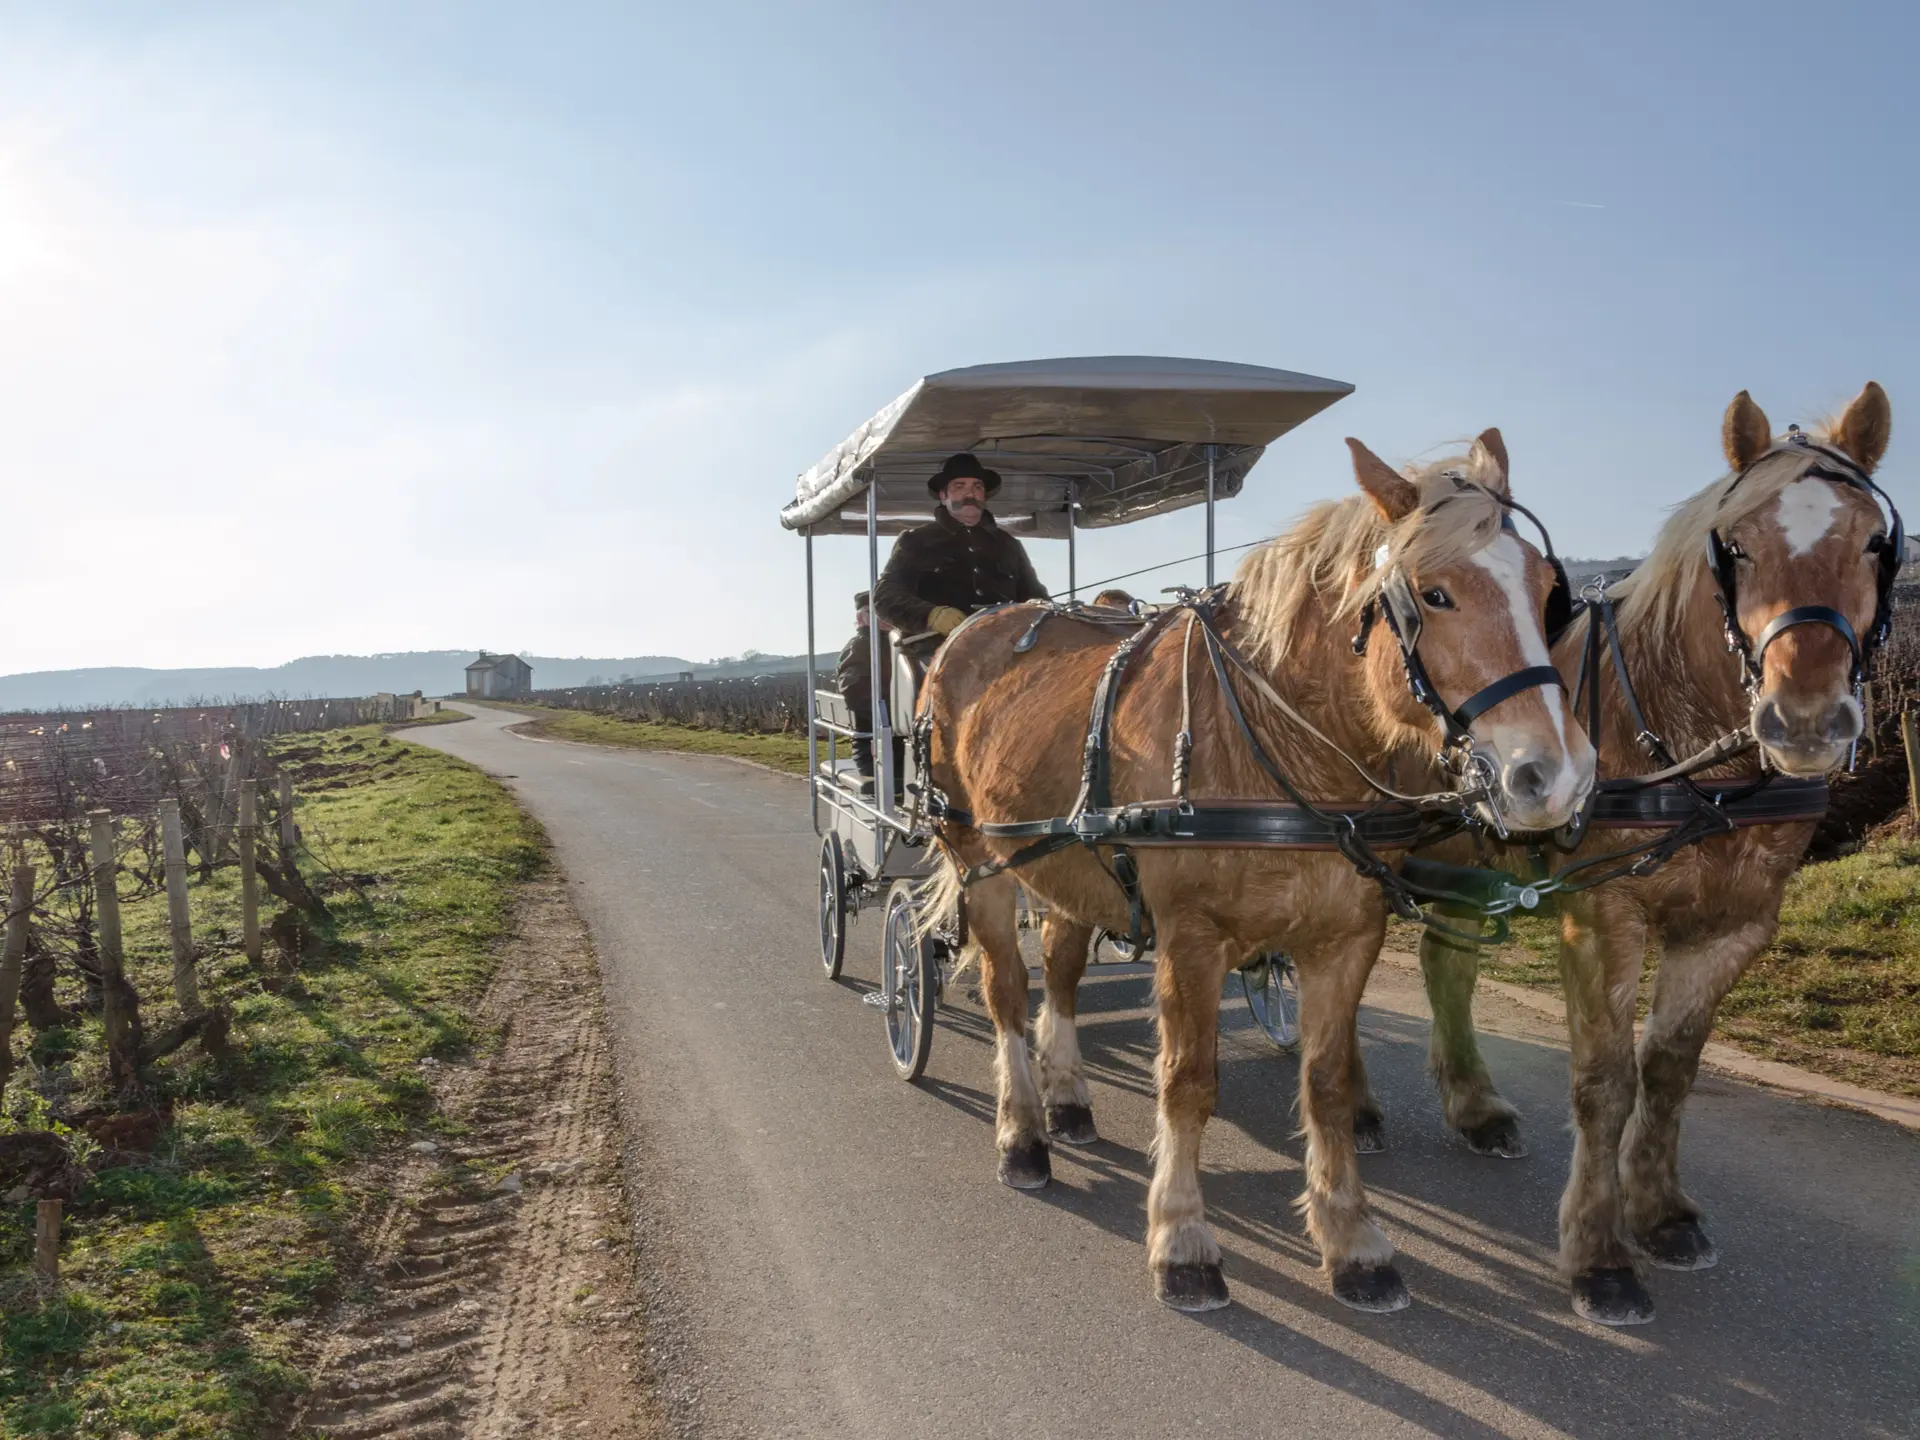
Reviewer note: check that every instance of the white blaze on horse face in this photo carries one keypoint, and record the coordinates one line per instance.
(1806, 514)
(1506, 562)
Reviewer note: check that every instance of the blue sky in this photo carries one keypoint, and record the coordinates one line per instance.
(333, 328)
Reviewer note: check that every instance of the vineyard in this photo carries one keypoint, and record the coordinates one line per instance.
(759, 705)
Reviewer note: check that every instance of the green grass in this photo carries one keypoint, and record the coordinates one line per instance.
(188, 1284)
(1837, 992)
(780, 752)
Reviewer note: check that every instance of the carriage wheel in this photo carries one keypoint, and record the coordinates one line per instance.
(908, 983)
(1273, 995)
(833, 905)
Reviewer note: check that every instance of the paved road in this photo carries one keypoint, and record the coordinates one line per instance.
(832, 1256)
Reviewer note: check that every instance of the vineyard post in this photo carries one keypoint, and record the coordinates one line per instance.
(13, 956)
(46, 1240)
(289, 835)
(1910, 737)
(249, 881)
(236, 767)
(119, 1008)
(186, 985)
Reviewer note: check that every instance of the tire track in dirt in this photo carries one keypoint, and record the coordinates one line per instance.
(502, 1302)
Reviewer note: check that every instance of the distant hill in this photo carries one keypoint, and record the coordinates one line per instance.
(433, 672)
(1579, 572)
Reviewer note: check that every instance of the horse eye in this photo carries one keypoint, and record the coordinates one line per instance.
(1436, 599)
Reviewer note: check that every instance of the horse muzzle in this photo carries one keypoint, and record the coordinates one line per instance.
(1534, 787)
(1807, 736)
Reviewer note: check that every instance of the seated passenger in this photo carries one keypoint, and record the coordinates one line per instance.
(941, 572)
(854, 676)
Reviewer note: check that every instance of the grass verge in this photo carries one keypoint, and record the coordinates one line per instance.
(188, 1282)
(779, 752)
(1838, 992)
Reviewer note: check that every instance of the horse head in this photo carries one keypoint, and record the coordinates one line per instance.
(1463, 594)
(1802, 559)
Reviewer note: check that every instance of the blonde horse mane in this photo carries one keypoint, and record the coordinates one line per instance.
(1331, 549)
(1678, 559)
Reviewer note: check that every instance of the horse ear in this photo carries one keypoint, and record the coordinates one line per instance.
(1864, 430)
(1745, 433)
(1397, 496)
(1488, 461)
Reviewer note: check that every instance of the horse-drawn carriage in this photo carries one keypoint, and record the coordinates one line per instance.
(1796, 539)
(1081, 444)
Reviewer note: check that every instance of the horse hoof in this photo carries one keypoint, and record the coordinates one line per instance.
(1499, 1136)
(1369, 1135)
(1192, 1288)
(1026, 1167)
(1377, 1289)
(1071, 1124)
(1613, 1296)
(1680, 1245)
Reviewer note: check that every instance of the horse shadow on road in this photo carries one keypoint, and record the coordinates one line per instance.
(1477, 1240)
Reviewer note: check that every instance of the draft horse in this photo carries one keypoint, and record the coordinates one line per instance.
(1307, 714)
(1748, 628)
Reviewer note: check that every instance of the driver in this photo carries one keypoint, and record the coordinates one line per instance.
(941, 572)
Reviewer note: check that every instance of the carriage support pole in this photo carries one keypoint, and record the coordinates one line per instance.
(813, 703)
(1073, 580)
(1210, 451)
(882, 726)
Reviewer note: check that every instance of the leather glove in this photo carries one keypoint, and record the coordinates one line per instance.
(945, 619)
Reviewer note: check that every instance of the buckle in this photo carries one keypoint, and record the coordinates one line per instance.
(1090, 825)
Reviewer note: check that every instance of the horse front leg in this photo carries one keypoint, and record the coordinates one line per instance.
(1064, 947)
(1369, 1119)
(1600, 968)
(1192, 964)
(1354, 1251)
(1451, 970)
(1692, 982)
(1020, 1128)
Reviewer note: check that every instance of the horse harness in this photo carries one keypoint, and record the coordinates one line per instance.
(1397, 822)
(1889, 549)
(1671, 800)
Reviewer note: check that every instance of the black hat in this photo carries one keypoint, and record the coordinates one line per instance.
(860, 600)
(961, 466)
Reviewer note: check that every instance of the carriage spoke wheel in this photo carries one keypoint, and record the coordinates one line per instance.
(908, 984)
(833, 906)
(1273, 995)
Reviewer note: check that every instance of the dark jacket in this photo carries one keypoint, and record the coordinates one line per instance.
(947, 563)
(854, 674)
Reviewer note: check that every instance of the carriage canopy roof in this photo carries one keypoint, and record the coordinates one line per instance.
(1117, 437)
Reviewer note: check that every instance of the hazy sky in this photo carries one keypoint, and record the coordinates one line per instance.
(330, 327)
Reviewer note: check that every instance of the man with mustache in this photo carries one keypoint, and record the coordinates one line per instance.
(941, 572)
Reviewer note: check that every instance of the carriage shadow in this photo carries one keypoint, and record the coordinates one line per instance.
(1476, 1236)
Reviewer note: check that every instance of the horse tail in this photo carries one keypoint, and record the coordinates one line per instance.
(941, 894)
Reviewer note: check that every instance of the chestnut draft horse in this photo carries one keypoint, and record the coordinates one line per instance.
(1004, 733)
(1764, 598)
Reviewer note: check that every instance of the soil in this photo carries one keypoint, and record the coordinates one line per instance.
(499, 1298)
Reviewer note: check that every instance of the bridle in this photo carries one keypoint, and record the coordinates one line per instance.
(1890, 548)
(1395, 602)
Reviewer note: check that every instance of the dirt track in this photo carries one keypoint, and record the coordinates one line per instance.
(501, 1300)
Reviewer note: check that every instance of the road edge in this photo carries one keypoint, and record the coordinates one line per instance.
(1901, 1110)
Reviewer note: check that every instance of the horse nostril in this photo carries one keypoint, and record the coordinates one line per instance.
(1769, 725)
(1843, 724)
(1530, 782)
